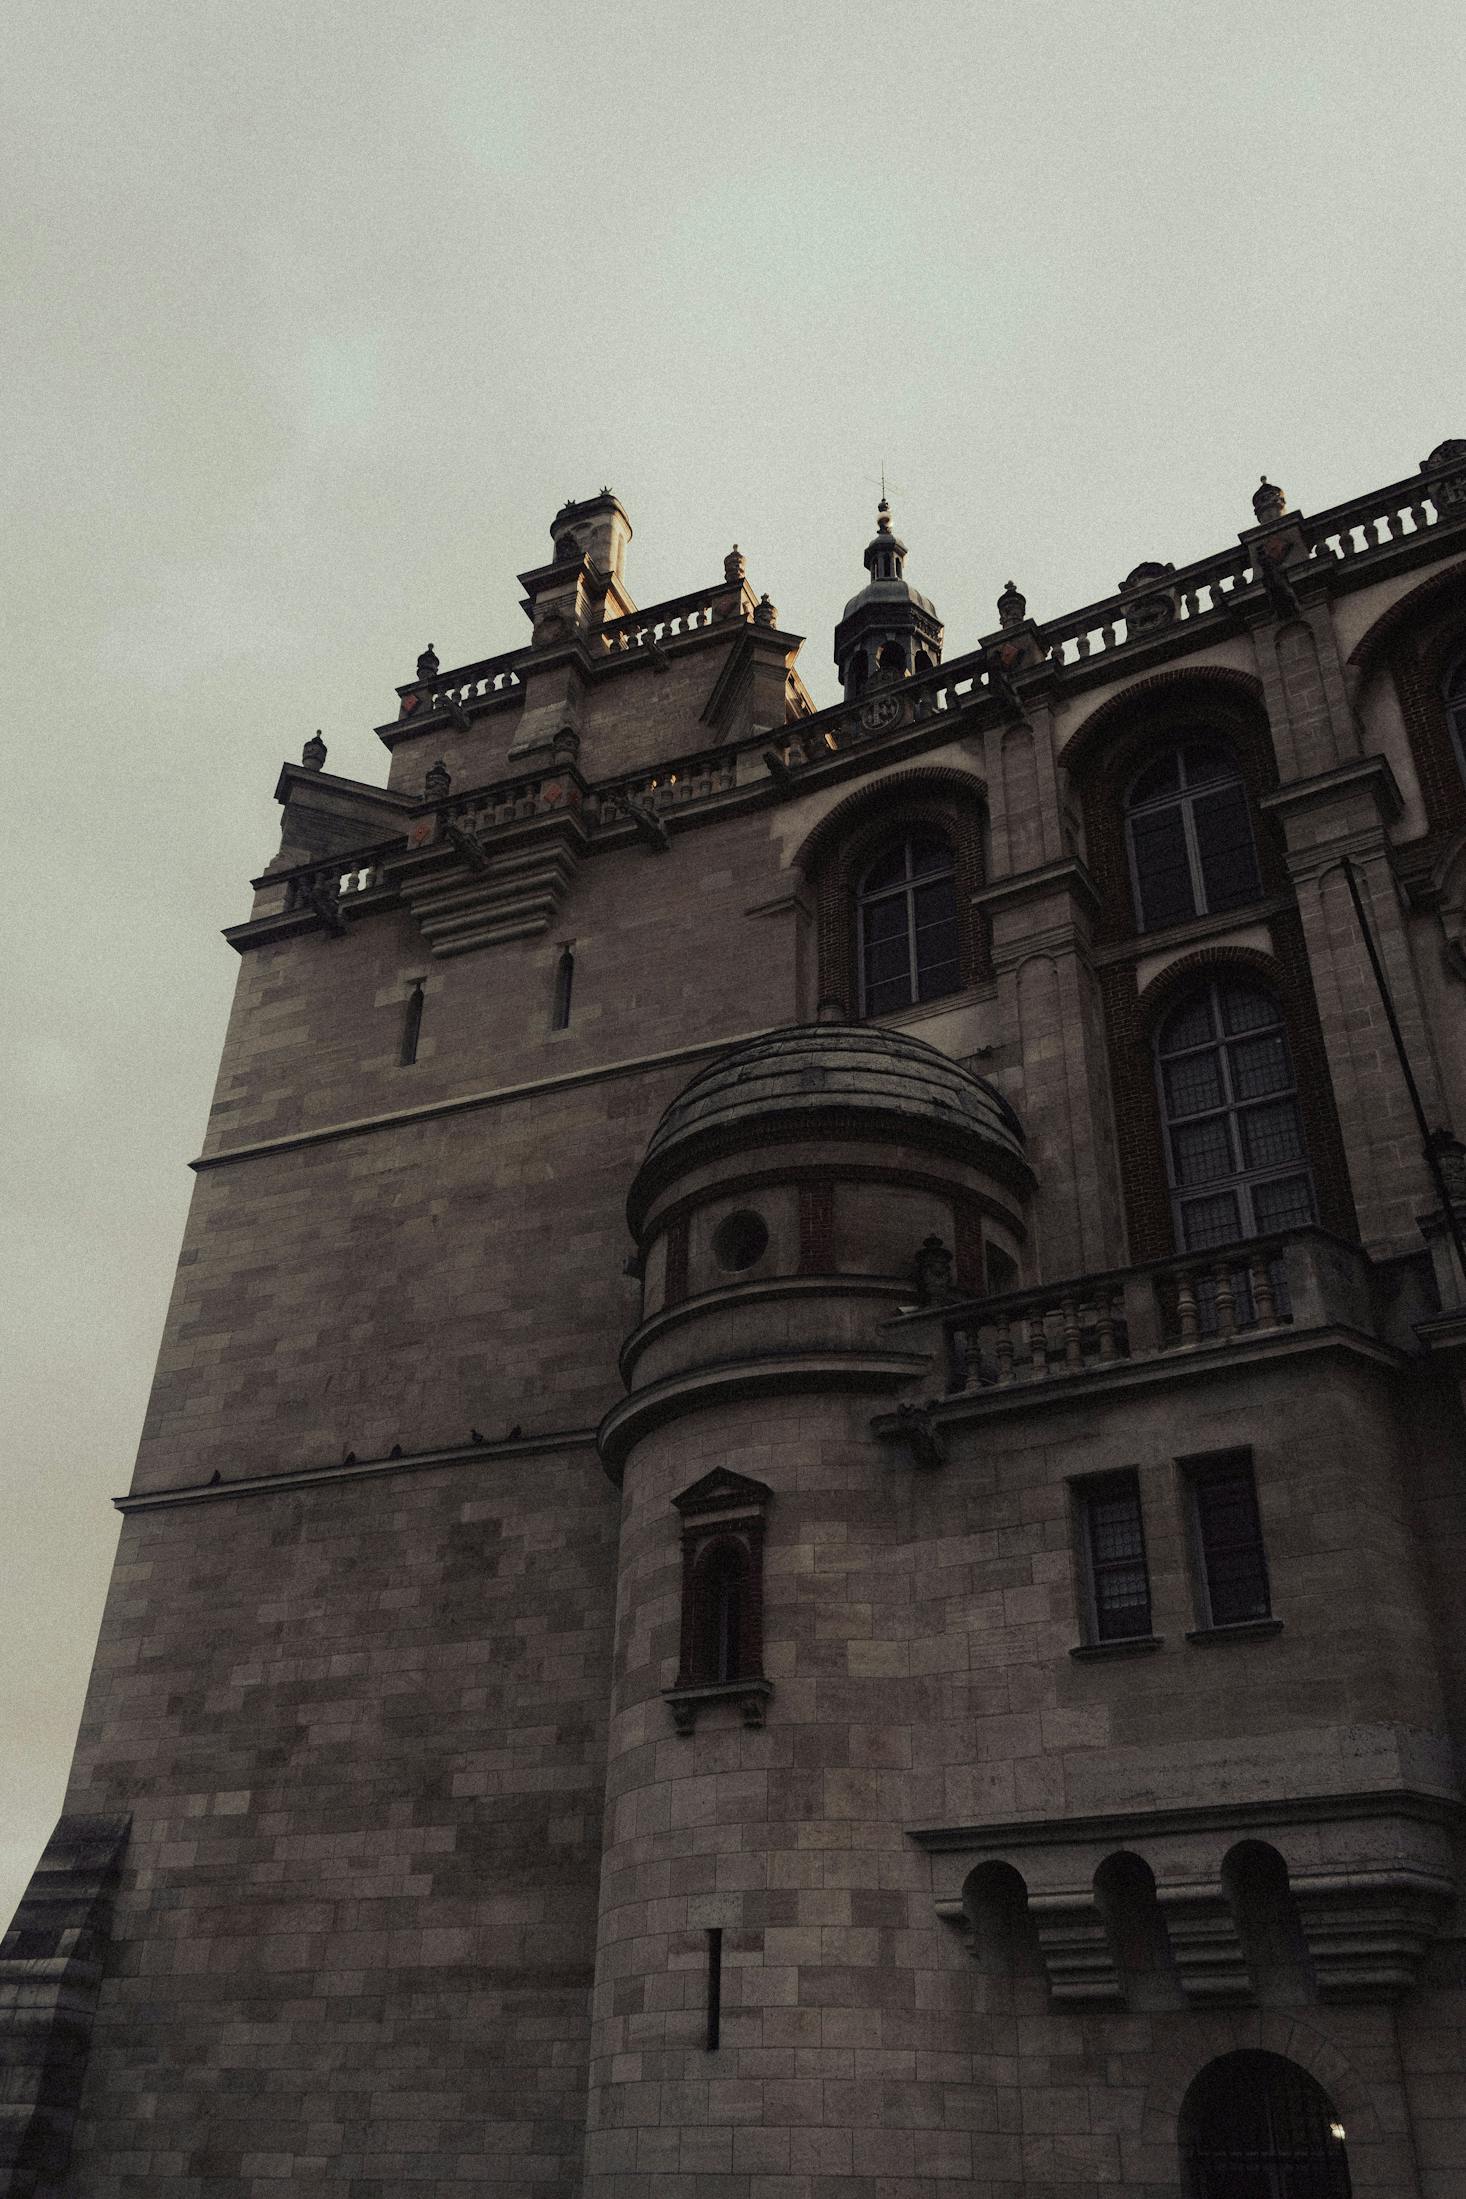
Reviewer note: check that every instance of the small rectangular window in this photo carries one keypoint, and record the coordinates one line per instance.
(1231, 1561)
(1112, 1541)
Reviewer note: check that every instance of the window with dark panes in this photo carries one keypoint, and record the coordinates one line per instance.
(1113, 1539)
(1191, 846)
(1229, 1548)
(722, 1649)
(906, 913)
(1234, 1134)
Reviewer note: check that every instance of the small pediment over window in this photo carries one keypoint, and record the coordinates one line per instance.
(723, 1491)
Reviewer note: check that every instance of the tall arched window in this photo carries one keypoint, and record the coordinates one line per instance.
(1191, 847)
(906, 917)
(1254, 2126)
(1229, 1101)
(1453, 695)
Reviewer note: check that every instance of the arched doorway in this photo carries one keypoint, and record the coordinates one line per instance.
(1254, 2126)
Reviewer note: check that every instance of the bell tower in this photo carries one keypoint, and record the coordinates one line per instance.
(889, 630)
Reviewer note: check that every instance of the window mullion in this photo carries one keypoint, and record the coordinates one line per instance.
(1193, 855)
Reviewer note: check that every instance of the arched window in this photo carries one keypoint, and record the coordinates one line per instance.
(906, 915)
(1254, 2126)
(1191, 848)
(1234, 1136)
(1453, 695)
(721, 1613)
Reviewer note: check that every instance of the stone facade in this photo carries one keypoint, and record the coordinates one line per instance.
(608, 1685)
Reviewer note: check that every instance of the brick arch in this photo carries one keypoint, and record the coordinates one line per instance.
(1155, 999)
(1124, 733)
(1098, 729)
(847, 816)
(1131, 1017)
(1387, 628)
(838, 849)
(1413, 642)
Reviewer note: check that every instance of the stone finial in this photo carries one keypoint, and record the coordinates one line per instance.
(437, 781)
(1446, 456)
(1144, 575)
(565, 746)
(734, 566)
(313, 755)
(1012, 606)
(427, 664)
(1448, 1151)
(1268, 502)
(765, 613)
(933, 1265)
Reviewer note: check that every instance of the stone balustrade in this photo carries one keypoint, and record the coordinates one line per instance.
(1198, 1302)
(668, 621)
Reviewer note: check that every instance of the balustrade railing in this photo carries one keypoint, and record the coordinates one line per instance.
(691, 779)
(1095, 1321)
(663, 621)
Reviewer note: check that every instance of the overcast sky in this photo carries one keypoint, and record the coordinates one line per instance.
(312, 317)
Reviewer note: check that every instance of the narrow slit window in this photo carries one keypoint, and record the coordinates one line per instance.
(1231, 1559)
(1117, 1580)
(715, 1986)
(412, 1025)
(564, 982)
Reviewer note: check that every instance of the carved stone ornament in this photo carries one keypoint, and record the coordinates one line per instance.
(879, 716)
(1268, 502)
(437, 781)
(427, 664)
(1447, 457)
(1012, 606)
(734, 566)
(313, 755)
(933, 1266)
(1149, 603)
(765, 614)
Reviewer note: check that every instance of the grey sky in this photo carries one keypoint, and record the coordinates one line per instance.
(314, 315)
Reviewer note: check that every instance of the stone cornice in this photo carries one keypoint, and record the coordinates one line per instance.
(465, 1102)
(357, 1469)
(767, 1374)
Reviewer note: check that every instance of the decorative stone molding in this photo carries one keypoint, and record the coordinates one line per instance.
(1370, 1876)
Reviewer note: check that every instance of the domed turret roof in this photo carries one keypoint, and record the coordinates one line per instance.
(884, 592)
(832, 1079)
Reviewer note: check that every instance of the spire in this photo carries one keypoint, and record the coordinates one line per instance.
(889, 631)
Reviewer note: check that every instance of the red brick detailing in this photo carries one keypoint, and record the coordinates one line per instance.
(1105, 756)
(848, 839)
(817, 1228)
(1131, 1018)
(1419, 638)
(676, 1285)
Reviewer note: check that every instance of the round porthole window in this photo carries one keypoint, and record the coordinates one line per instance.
(739, 1240)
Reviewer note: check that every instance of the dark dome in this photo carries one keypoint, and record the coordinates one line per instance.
(887, 593)
(840, 1079)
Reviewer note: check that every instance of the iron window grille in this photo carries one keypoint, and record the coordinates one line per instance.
(1112, 1541)
(907, 925)
(1190, 836)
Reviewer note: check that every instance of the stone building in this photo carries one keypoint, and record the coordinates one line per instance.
(800, 1529)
